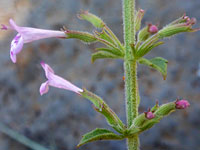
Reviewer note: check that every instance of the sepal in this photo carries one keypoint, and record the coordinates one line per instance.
(143, 34)
(93, 19)
(142, 123)
(158, 63)
(99, 134)
(184, 26)
(83, 36)
(138, 19)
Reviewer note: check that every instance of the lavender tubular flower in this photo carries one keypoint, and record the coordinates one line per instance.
(26, 35)
(56, 81)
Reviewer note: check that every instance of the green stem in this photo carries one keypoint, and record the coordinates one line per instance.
(130, 69)
(131, 90)
(133, 143)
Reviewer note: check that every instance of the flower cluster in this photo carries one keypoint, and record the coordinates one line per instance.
(27, 35)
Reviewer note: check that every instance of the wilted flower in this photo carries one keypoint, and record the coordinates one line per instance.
(56, 81)
(182, 104)
(26, 35)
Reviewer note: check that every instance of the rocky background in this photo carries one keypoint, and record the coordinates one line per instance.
(58, 119)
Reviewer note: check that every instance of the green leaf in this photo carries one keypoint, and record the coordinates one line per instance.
(143, 51)
(21, 138)
(103, 54)
(93, 19)
(157, 63)
(101, 107)
(83, 36)
(99, 134)
(111, 50)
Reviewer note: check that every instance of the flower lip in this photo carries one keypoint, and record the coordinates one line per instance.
(16, 47)
(56, 81)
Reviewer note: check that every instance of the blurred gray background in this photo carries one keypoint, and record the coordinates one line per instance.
(58, 119)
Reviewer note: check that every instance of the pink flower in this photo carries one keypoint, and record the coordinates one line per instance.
(152, 29)
(149, 114)
(26, 35)
(56, 81)
(182, 104)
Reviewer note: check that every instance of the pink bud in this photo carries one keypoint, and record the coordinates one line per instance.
(149, 115)
(186, 18)
(182, 104)
(152, 29)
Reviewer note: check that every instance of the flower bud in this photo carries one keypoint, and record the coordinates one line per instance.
(172, 29)
(152, 29)
(182, 104)
(149, 115)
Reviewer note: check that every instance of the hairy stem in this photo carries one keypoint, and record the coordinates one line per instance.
(133, 143)
(130, 69)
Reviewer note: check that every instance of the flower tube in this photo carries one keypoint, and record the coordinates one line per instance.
(26, 35)
(56, 81)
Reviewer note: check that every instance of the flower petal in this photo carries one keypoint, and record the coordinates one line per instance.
(48, 70)
(13, 57)
(57, 81)
(16, 47)
(44, 88)
(32, 34)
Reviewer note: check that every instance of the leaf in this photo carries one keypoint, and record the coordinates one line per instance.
(158, 63)
(103, 54)
(101, 107)
(143, 51)
(111, 50)
(83, 36)
(21, 138)
(99, 134)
